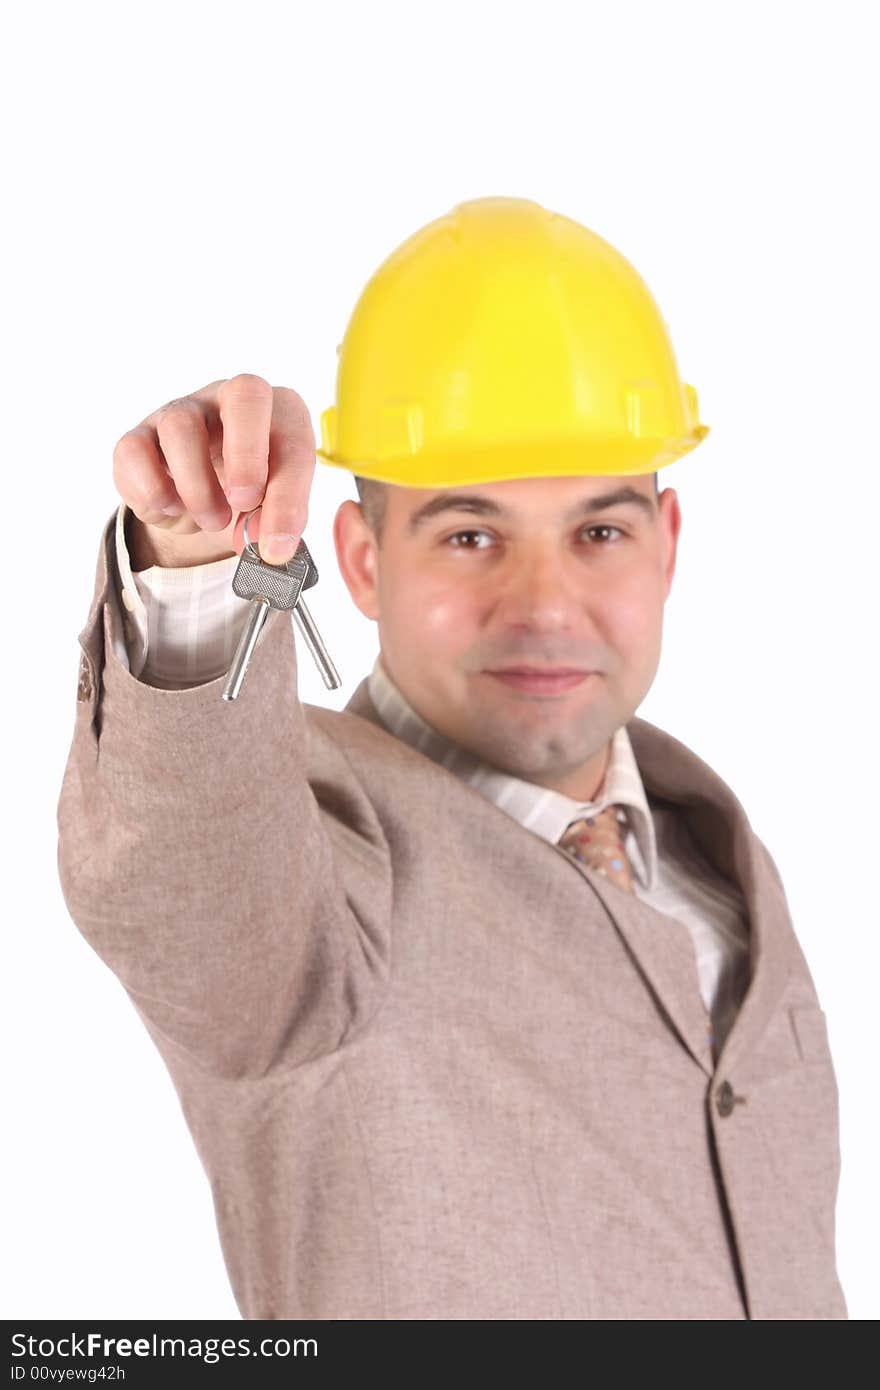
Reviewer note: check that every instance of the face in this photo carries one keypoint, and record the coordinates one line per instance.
(533, 573)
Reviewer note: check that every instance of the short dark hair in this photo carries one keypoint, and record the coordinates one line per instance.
(373, 494)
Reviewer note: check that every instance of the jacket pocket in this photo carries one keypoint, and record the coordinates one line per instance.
(810, 1027)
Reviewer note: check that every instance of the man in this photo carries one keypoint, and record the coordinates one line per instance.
(481, 996)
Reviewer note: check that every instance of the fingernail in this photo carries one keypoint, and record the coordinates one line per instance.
(174, 509)
(244, 498)
(276, 548)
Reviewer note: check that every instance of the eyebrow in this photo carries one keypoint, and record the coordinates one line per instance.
(484, 506)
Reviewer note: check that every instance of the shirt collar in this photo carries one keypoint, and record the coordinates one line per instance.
(540, 809)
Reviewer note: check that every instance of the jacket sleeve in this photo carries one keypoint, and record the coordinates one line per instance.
(221, 857)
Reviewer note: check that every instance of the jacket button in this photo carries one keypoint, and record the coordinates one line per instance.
(724, 1098)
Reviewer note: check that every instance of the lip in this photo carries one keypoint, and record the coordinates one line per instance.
(540, 681)
(538, 671)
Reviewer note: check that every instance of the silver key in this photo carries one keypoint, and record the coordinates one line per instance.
(275, 586)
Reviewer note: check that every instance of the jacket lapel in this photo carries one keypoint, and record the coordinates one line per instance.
(661, 945)
(721, 828)
(664, 952)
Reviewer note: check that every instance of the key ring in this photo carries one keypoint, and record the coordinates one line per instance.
(249, 544)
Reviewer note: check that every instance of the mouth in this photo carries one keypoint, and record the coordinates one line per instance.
(540, 680)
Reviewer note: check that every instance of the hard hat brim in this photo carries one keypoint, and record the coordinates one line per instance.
(522, 459)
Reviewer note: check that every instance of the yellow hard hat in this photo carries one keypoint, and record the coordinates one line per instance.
(506, 341)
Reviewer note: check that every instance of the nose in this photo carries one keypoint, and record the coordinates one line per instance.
(542, 588)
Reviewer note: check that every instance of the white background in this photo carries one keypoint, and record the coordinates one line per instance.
(198, 190)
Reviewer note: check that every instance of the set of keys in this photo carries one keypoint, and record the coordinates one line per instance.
(275, 586)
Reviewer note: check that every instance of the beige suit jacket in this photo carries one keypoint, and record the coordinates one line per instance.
(434, 1067)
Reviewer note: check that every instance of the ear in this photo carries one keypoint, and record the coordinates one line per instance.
(357, 557)
(669, 521)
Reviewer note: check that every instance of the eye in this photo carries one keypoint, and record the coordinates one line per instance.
(602, 527)
(456, 535)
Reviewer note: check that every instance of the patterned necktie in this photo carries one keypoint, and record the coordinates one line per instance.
(597, 841)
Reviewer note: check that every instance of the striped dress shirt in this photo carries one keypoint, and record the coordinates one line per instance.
(181, 627)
